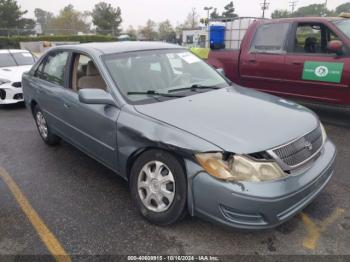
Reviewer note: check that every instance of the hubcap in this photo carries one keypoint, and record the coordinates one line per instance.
(42, 126)
(156, 186)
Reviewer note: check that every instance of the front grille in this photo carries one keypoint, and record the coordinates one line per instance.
(302, 149)
(17, 84)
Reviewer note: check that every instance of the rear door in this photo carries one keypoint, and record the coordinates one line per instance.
(312, 72)
(50, 79)
(263, 63)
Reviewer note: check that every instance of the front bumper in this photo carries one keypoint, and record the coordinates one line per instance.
(261, 205)
(10, 94)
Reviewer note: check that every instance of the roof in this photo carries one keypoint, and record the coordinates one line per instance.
(302, 19)
(5, 51)
(120, 47)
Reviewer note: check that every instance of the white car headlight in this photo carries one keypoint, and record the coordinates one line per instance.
(239, 168)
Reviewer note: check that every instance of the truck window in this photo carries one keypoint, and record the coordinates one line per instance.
(270, 38)
(313, 39)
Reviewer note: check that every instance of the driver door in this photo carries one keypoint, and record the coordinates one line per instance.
(312, 72)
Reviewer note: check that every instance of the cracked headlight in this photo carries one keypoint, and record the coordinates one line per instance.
(239, 168)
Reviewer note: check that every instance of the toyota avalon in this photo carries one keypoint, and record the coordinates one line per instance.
(185, 138)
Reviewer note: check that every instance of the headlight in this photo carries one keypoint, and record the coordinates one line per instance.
(4, 81)
(324, 133)
(239, 168)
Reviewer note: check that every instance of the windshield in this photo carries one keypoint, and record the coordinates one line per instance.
(344, 26)
(16, 59)
(141, 75)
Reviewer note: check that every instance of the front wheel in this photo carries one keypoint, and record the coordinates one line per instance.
(159, 187)
(44, 130)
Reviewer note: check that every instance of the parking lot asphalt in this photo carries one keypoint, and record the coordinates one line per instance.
(88, 209)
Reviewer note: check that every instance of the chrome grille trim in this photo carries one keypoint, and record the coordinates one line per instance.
(299, 151)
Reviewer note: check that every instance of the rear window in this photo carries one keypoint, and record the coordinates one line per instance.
(270, 38)
(16, 59)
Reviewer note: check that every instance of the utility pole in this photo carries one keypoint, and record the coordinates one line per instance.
(208, 10)
(264, 6)
(293, 4)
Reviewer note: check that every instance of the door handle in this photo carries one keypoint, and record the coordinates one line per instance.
(66, 105)
(297, 63)
(252, 61)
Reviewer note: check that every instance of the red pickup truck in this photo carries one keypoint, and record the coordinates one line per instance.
(301, 58)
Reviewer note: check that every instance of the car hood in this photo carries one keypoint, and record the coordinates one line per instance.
(14, 73)
(236, 119)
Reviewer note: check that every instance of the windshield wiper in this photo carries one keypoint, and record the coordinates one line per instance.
(152, 93)
(193, 88)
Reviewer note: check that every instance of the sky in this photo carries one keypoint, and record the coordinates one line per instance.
(137, 12)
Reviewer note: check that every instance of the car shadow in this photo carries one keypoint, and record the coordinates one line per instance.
(17, 106)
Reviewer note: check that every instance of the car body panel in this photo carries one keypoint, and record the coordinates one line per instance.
(227, 118)
(260, 205)
(14, 75)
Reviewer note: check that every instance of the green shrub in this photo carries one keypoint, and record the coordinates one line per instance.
(13, 41)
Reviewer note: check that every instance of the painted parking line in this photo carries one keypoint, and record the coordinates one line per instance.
(314, 230)
(48, 238)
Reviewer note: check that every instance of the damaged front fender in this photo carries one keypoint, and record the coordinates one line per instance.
(137, 133)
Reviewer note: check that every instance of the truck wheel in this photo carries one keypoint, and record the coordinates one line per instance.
(44, 130)
(158, 186)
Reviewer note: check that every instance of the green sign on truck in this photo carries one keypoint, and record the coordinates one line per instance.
(323, 71)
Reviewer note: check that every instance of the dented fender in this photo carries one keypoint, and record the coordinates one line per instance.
(137, 132)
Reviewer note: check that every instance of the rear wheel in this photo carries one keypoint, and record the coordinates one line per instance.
(44, 130)
(159, 187)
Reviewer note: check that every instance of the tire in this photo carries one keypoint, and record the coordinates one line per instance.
(44, 130)
(167, 201)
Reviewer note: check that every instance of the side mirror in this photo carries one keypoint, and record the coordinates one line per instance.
(95, 97)
(221, 71)
(336, 47)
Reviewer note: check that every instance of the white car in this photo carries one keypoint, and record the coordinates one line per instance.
(13, 63)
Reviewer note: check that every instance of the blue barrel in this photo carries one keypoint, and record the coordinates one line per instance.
(217, 37)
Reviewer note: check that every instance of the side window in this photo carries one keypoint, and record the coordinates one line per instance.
(189, 39)
(308, 39)
(270, 38)
(85, 74)
(313, 38)
(52, 69)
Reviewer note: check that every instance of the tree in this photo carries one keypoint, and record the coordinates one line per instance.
(131, 32)
(215, 14)
(229, 11)
(11, 17)
(343, 8)
(166, 31)
(69, 21)
(280, 14)
(149, 32)
(43, 18)
(313, 10)
(192, 20)
(107, 18)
